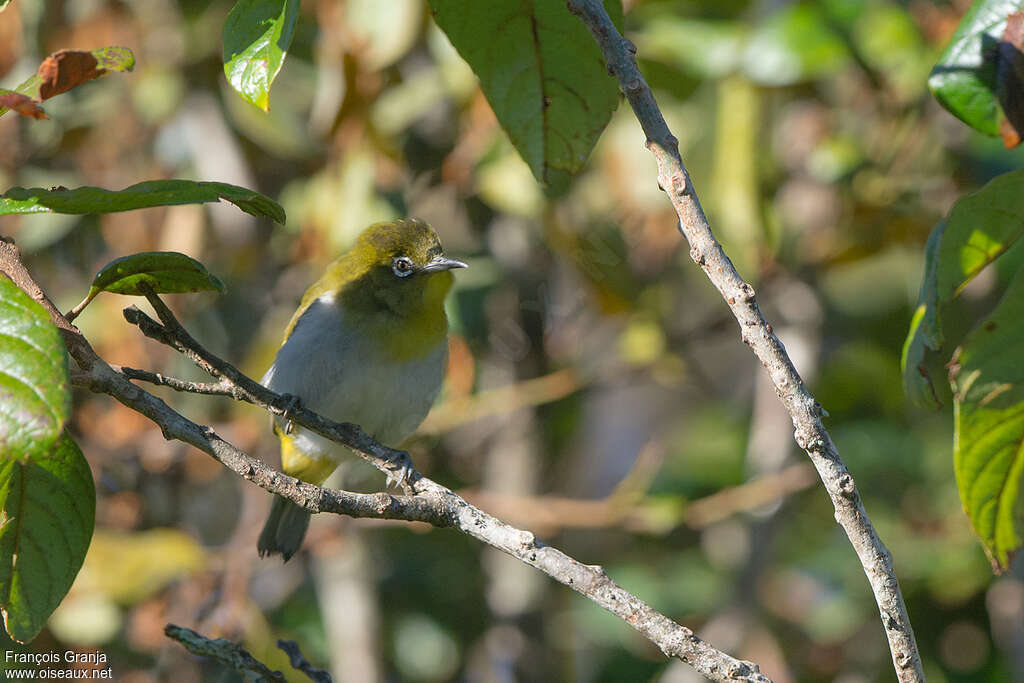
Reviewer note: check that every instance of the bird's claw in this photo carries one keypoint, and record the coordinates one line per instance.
(400, 472)
(290, 402)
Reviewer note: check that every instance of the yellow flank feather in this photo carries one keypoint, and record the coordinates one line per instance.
(294, 463)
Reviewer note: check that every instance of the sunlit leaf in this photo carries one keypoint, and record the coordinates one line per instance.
(966, 79)
(47, 511)
(35, 395)
(542, 74)
(979, 228)
(988, 381)
(144, 195)
(163, 271)
(256, 37)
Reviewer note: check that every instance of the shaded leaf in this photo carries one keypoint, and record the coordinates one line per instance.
(256, 37)
(542, 74)
(35, 395)
(967, 78)
(21, 104)
(163, 271)
(66, 69)
(988, 381)
(979, 228)
(1009, 70)
(47, 508)
(144, 195)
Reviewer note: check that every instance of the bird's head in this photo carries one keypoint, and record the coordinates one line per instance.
(400, 266)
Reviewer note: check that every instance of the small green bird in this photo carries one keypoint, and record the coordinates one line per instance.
(369, 345)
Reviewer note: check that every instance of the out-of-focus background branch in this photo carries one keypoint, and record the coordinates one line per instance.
(575, 364)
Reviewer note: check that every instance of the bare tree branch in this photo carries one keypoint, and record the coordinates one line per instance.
(432, 503)
(805, 411)
(231, 655)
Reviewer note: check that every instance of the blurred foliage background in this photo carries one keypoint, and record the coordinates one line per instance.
(598, 394)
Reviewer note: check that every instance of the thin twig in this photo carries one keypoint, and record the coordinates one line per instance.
(433, 503)
(805, 411)
(300, 663)
(231, 655)
(218, 388)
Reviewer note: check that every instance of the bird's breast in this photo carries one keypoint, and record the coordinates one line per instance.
(383, 379)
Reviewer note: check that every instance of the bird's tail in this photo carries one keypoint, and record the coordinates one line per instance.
(285, 528)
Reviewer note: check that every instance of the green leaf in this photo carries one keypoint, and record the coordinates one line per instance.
(114, 58)
(140, 196)
(542, 74)
(964, 80)
(979, 228)
(988, 382)
(256, 37)
(35, 396)
(163, 271)
(47, 511)
(69, 68)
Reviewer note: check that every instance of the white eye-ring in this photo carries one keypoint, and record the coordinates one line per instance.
(402, 266)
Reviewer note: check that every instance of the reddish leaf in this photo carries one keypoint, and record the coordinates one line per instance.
(22, 105)
(65, 69)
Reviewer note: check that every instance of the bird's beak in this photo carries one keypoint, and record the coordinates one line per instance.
(442, 263)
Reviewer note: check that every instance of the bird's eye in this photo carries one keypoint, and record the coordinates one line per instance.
(402, 266)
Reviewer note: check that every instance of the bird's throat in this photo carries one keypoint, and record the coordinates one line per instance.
(416, 326)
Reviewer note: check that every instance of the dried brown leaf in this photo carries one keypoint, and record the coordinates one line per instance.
(22, 104)
(66, 69)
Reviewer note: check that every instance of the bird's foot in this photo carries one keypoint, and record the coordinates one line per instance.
(288, 403)
(400, 470)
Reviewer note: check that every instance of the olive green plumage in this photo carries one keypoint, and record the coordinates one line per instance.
(368, 344)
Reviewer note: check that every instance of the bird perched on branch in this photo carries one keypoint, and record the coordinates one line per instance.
(369, 345)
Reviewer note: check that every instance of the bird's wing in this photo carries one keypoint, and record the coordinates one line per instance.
(334, 277)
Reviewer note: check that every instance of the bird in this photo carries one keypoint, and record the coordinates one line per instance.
(368, 345)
